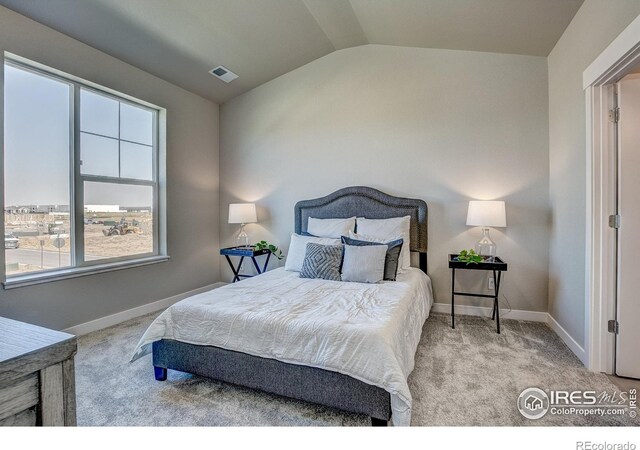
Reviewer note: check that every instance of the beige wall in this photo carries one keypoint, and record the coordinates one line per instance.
(445, 126)
(597, 23)
(192, 188)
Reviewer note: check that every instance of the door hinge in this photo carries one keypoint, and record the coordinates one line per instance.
(614, 115)
(614, 221)
(613, 326)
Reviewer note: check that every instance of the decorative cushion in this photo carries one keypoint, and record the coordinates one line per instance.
(364, 263)
(389, 230)
(330, 228)
(298, 248)
(391, 259)
(322, 261)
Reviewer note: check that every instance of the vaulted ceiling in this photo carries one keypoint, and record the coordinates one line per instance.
(180, 40)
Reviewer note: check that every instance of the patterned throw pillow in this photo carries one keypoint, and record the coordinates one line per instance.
(322, 261)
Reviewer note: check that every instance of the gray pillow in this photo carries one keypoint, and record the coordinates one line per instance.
(364, 263)
(392, 258)
(322, 261)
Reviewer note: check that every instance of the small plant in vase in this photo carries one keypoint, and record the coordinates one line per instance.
(275, 251)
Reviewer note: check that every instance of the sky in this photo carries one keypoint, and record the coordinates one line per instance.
(37, 128)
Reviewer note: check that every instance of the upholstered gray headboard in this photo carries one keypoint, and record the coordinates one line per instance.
(362, 201)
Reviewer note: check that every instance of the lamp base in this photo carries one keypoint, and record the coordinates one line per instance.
(486, 247)
(242, 239)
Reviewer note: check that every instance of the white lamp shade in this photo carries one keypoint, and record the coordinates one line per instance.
(242, 213)
(486, 214)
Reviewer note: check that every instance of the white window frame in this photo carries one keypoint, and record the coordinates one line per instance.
(78, 266)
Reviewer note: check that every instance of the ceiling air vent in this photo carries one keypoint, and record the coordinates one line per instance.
(223, 73)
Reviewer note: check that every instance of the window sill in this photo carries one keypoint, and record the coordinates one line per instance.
(33, 279)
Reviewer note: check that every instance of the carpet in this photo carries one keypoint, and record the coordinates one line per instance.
(466, 376)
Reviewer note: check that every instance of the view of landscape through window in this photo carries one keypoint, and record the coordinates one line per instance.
(116, 147)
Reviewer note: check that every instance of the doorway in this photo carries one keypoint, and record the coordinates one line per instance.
(626, 222)
(613, 314)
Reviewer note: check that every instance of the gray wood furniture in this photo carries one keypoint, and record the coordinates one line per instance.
(37, 377)
(301, 382)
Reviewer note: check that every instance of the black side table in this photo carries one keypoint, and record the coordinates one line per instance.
(497, 267)
(245, 252)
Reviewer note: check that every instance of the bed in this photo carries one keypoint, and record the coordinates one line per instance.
(349, 346)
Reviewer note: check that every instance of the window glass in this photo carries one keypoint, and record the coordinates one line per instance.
(99, 114)
(113, 192)
(118, 220)
(37, 171)
(136, 161)
(99, 155)
(136, 124)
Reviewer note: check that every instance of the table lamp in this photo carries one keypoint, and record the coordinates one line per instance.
(242, 213)
(486, 214)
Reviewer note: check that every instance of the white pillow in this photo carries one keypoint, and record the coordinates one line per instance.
(331, 228)
(364, 237)
(388, 230)
(298, 248)
(364, 263)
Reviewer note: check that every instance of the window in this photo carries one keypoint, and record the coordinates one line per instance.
(81, 168)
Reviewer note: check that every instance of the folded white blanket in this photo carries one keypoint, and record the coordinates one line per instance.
(367, 331)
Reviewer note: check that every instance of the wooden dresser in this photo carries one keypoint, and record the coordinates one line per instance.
(37, 378)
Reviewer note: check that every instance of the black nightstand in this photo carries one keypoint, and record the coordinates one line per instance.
(245, 252)
(497, 267)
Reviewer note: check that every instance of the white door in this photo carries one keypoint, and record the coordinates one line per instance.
(628, 298)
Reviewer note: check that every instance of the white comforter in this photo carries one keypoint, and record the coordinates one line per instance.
(367, 331)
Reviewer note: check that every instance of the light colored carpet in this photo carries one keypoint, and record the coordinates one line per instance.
(466, 376)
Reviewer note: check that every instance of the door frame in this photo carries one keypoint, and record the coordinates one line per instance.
(609, 67)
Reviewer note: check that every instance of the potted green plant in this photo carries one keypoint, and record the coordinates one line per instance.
(275, 251)
(470, 257)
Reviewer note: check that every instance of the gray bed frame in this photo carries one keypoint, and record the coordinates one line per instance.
(305, 383)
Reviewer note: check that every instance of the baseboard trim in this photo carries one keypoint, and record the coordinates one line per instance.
(573, 345)
(484, 311)
(517, 314)
(114, 319)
